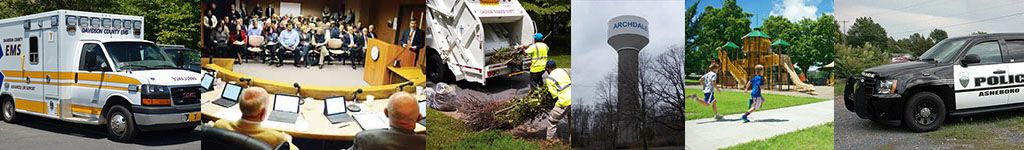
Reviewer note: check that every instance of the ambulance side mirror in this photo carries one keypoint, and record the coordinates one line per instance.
(93, 64)
(970, 59)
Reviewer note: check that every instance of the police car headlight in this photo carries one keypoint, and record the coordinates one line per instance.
(886, 86)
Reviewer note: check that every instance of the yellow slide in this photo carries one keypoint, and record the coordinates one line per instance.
(800, 86)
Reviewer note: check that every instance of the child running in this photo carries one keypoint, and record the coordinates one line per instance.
(708, 80)
(755, 97)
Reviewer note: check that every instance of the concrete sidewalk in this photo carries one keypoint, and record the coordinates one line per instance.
(703, 134)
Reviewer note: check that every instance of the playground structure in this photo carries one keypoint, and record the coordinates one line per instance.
(758, 49)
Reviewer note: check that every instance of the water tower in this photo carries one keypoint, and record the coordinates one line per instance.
(627, 34)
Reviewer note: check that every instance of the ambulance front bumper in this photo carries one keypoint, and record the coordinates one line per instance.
(149, 118)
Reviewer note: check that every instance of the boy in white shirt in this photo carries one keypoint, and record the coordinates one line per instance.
(708, 80)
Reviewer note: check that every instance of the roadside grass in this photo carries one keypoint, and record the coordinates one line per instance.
(839, 87)
(982, 131)
(730, 102)
(559, 50)
(815, 137)
(449, 133)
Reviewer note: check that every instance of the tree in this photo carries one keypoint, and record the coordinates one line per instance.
(979, 33)
(717, 26)
(938, 35)
(550, 15)
(166, 21)
(692, 28)
(853, 60)
(865, 30)
(919, 44)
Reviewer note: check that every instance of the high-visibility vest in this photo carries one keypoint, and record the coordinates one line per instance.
(538, 56)
(560, 86)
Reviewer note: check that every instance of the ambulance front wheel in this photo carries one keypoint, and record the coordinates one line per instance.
(924, 112)
(121, 124)
(9, 115)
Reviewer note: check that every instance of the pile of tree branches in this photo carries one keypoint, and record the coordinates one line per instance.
(486, 114)
(506, 55)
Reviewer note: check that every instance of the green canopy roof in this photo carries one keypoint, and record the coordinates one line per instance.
(780, 42)
(729, 45)
(756, 33)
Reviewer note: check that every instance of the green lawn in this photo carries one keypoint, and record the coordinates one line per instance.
(560, 50)
(816, 137)
(839, 87)
(449, 133)
(691, 82)
(730, 102)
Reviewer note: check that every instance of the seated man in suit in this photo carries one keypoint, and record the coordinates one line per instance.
(403, 111)
(253, 106)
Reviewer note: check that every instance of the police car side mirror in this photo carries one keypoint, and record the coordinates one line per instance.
(970, 59)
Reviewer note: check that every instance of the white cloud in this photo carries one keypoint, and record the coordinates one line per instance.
(794, 10)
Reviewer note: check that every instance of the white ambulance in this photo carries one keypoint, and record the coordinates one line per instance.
(93, 68)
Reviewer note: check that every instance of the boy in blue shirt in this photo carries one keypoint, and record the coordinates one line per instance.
(755, 97)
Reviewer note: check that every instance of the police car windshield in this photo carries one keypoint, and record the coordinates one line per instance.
(944, 51)
(138, 56)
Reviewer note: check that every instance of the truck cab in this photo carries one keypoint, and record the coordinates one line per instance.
(94, 68)
(958, 76)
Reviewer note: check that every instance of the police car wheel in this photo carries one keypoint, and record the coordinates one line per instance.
(121, 124)
(9, 115)
(924, 112)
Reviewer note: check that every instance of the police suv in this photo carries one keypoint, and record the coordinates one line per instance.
(93, 68)
(956, 77)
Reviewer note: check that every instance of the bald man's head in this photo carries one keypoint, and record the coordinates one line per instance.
(253, 103)
(403, 110)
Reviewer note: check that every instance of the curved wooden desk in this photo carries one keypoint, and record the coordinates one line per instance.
(312, 124)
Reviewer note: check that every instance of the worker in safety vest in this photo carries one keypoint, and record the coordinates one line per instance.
(538, 53)
(560, 87)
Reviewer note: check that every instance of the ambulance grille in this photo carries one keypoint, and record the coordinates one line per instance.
(186, 95)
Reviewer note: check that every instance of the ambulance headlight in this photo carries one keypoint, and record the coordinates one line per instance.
(886, 86)
(138, 25)
(155, 90)
(117, 23)
(72, 21)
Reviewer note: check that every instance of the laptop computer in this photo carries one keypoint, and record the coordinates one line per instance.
(286, 108)
(207, 82)
(423, 111)
(229, 97)
(335, 110)
(371, 120)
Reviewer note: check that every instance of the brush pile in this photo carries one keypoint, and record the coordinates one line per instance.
(487, 115)
(505, 55)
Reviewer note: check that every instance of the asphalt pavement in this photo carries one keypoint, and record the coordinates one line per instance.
(43, 133)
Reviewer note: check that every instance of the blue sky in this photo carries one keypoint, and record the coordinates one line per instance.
(792, 9)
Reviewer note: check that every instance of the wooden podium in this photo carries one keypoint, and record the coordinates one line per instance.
(379, 56)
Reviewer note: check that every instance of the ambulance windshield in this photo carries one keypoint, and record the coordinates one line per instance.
(138, 56)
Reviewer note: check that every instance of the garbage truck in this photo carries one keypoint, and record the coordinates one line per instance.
(463, 35)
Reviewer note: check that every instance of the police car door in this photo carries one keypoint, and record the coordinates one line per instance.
(1014, 48)
(979, 84)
